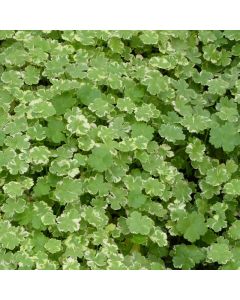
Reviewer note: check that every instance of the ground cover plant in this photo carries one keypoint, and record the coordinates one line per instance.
(119, 150)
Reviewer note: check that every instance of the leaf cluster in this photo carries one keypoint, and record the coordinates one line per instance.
(119, 150)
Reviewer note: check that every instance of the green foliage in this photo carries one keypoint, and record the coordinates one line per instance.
(225, 136)
(137, 223)
(119, 150)
(53, 245)
(219, 252)
(185, 257)
(192, 226)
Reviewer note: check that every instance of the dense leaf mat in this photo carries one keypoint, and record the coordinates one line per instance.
(119, 150)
